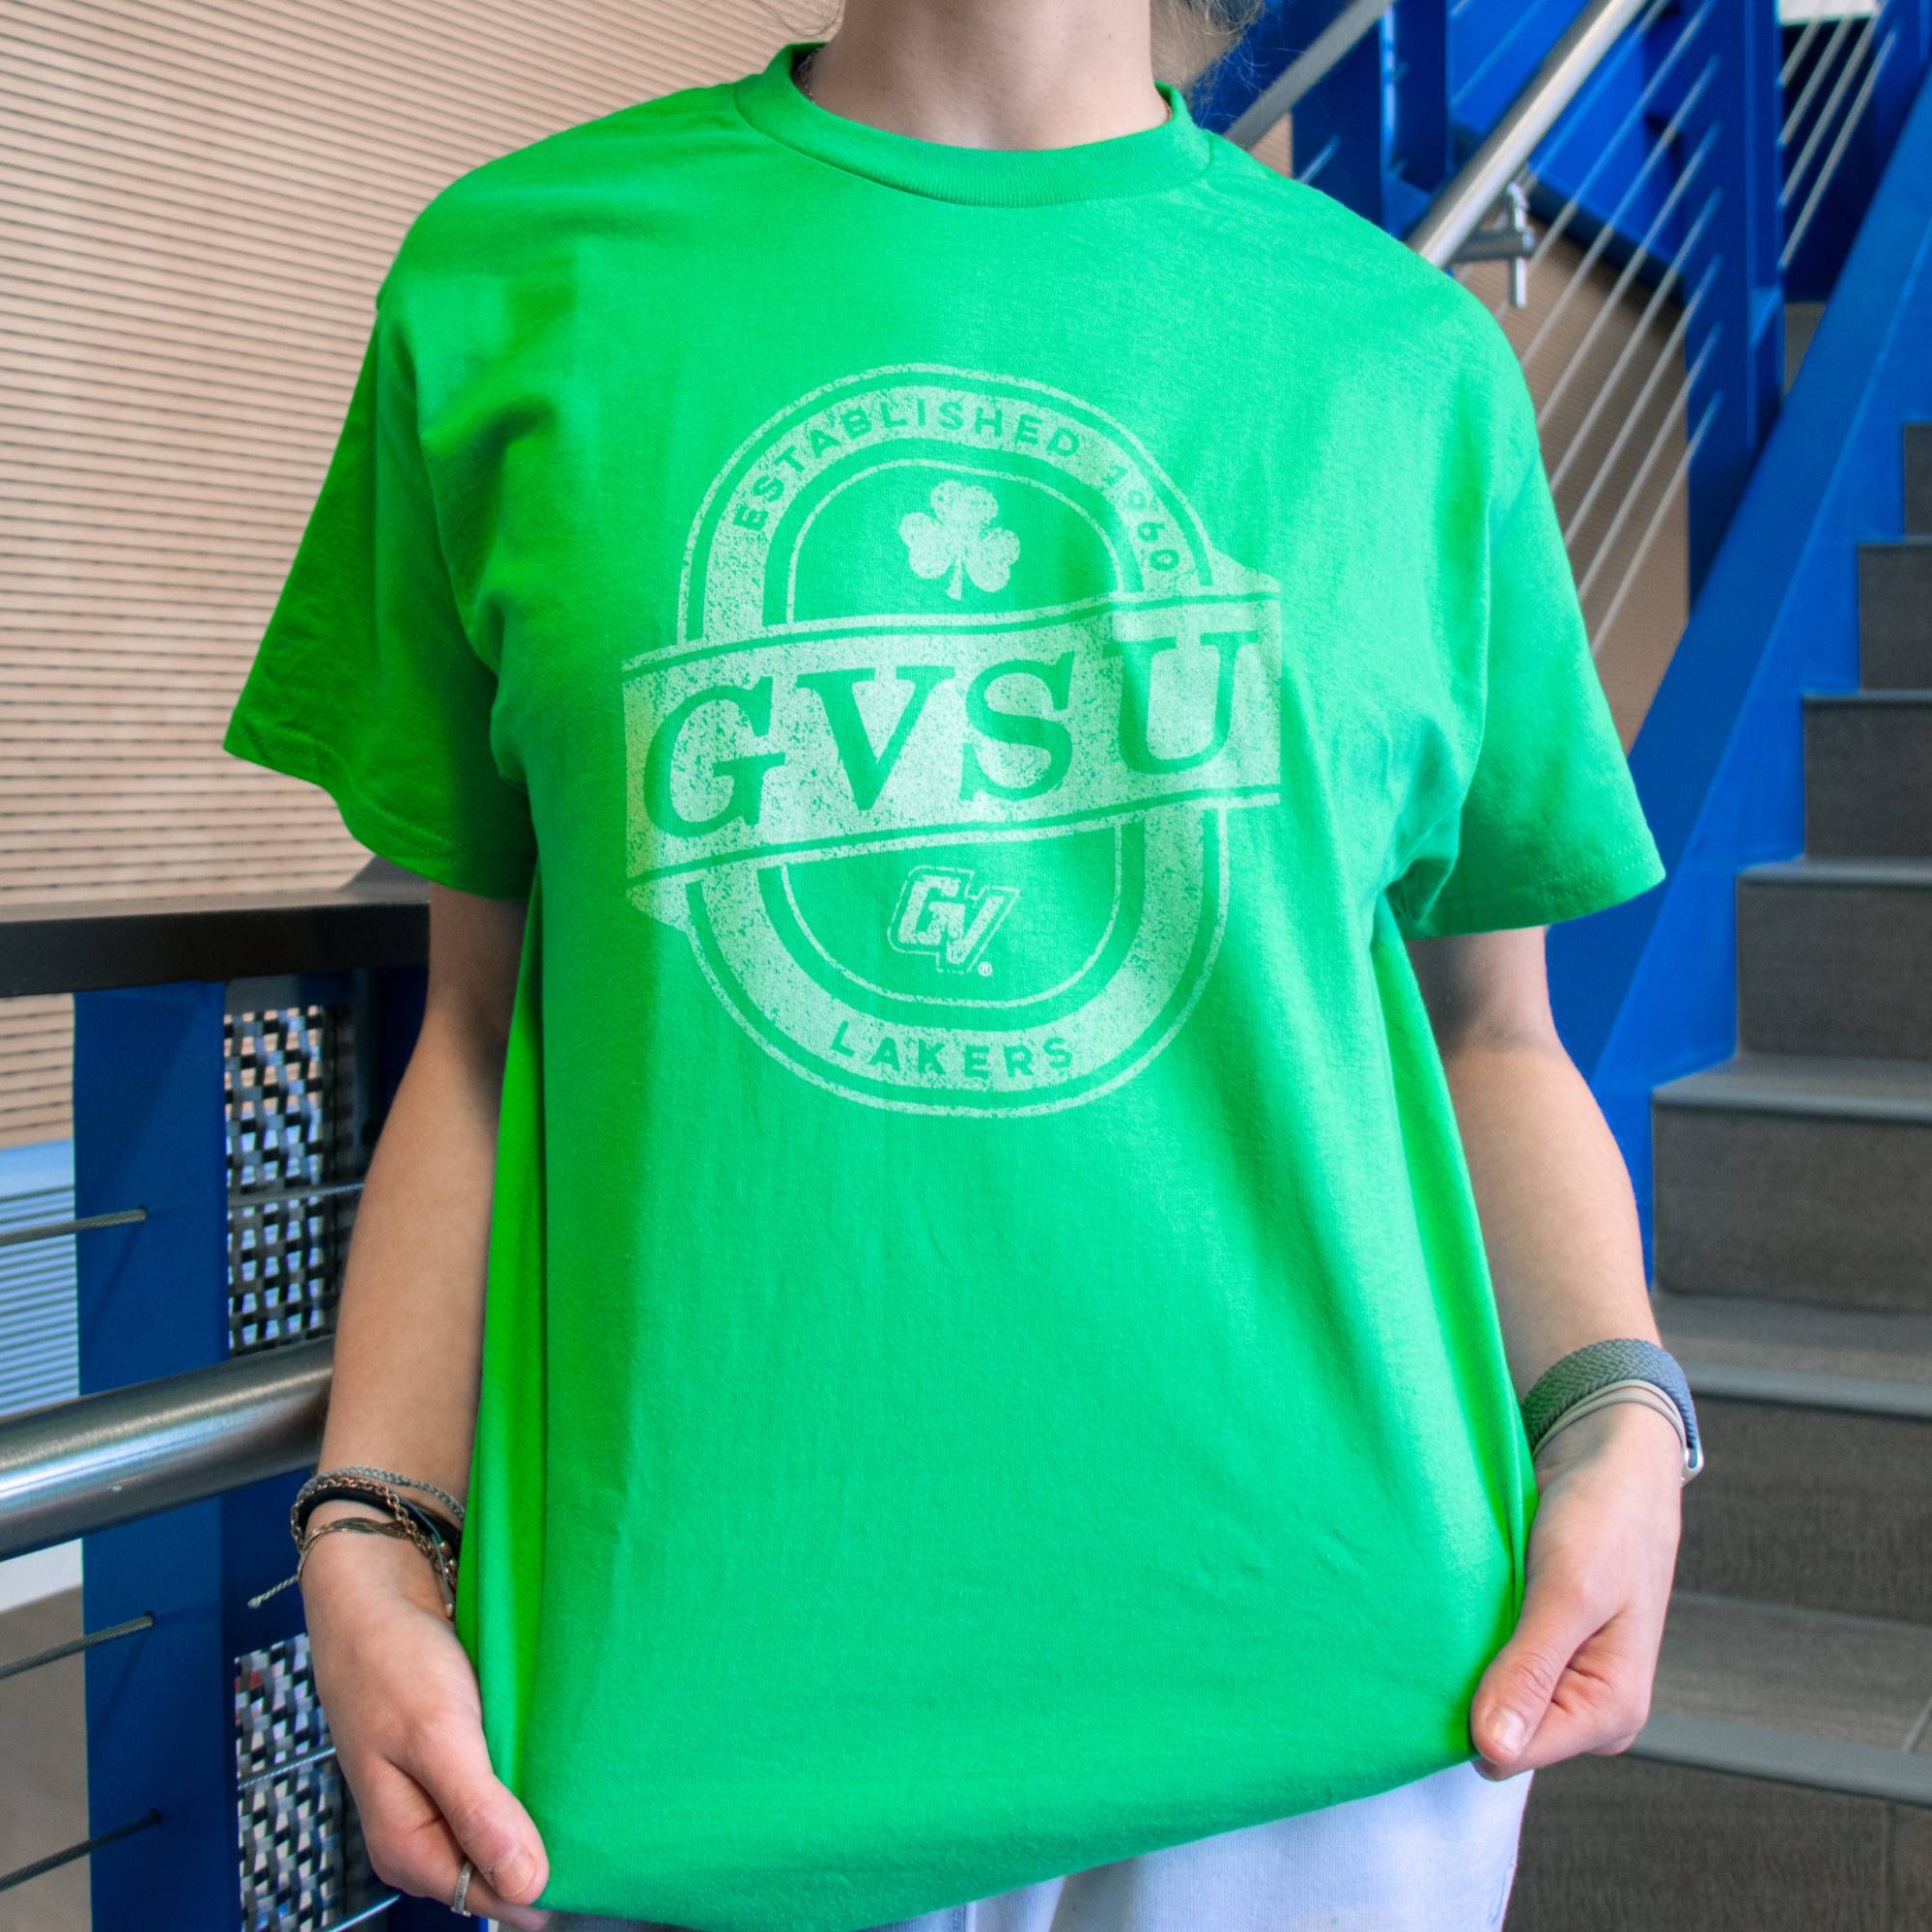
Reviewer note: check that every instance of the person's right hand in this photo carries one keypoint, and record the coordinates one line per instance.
(404, 1710)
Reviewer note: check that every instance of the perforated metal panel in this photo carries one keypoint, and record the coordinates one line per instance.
(297, 1075)
(295, 1164)
(302, 1866)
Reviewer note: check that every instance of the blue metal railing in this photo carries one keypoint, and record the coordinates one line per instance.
(1713, 161)
(1651, 988)
(1717, 164)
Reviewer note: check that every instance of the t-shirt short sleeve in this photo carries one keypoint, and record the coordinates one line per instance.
(1549, 825)
(366, 681)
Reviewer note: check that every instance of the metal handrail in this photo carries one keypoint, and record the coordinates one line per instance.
(69, 1468)
(1455, 213)
(378, 918)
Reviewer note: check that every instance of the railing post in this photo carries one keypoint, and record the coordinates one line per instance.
(1419, 148)
(1375, 133)
(211, 1106)
(149, 1132)
(1341, 140)
(1741, 314)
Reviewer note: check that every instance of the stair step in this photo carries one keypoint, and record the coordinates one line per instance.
(1799, 1353)
(1817, 1423)
(1798, 1178)
(1627, 1844)
(1784, 1781)
(1919, 479)
(1869, 773)
(1895, 613)
(1835, 954)
(1850, 1085)
(1783, 1784)
(1814, 1698)
(1788, 1757)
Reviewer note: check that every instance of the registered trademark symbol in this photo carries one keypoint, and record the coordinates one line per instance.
(985, 969)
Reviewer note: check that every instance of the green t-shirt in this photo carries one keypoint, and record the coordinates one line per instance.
(979, 659)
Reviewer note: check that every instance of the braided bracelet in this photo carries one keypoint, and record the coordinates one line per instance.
(385, 1476)
(1620, 1368)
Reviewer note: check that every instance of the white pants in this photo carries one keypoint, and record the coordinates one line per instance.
(1437, 1855)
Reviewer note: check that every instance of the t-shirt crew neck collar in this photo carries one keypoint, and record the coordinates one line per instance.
(1150, 159)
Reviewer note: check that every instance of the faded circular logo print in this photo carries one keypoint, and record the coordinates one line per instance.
(936, 772)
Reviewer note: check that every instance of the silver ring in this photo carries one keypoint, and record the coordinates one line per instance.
(456, 1903)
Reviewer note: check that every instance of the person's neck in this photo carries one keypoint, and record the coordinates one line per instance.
(992, 73)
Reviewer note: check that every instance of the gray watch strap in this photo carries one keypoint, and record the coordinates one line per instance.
(1596, 1365)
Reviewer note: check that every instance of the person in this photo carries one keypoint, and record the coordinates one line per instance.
(990, 697)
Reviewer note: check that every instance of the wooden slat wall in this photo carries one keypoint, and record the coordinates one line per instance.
(197, 200)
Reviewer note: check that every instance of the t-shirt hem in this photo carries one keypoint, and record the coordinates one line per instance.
(417, 848)
(1611, 878)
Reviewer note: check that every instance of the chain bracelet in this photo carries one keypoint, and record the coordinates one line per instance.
(445, 1575)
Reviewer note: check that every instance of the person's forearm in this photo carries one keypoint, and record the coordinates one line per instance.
(409, 1329)
(1560, 1222)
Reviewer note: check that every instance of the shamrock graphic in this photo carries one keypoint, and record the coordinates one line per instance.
(960, 536)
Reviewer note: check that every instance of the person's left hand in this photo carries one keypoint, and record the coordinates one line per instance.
(1577, 1673)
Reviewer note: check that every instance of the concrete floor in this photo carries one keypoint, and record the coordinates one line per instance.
(43, 1747)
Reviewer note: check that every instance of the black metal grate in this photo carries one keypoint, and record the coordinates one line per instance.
(292, 1125)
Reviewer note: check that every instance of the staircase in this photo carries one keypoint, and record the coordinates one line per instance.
(1784, 1781)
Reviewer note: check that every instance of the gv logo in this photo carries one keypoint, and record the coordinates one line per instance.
(940, 914)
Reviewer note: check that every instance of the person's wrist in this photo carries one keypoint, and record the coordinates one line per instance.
(1633, 1428)
(350, 1562)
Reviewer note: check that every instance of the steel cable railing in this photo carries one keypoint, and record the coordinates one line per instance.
(1639, 106)
(1870, 43)
(1658, 149)
(1821, 68)
(1622, 340)
(1646, 249)
(1660, 216)
(1665, 501)
(1667, 356)
(1569, 69)
(1793, 58)
(1606, 549)
(1312, 65)
(1660, 220)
